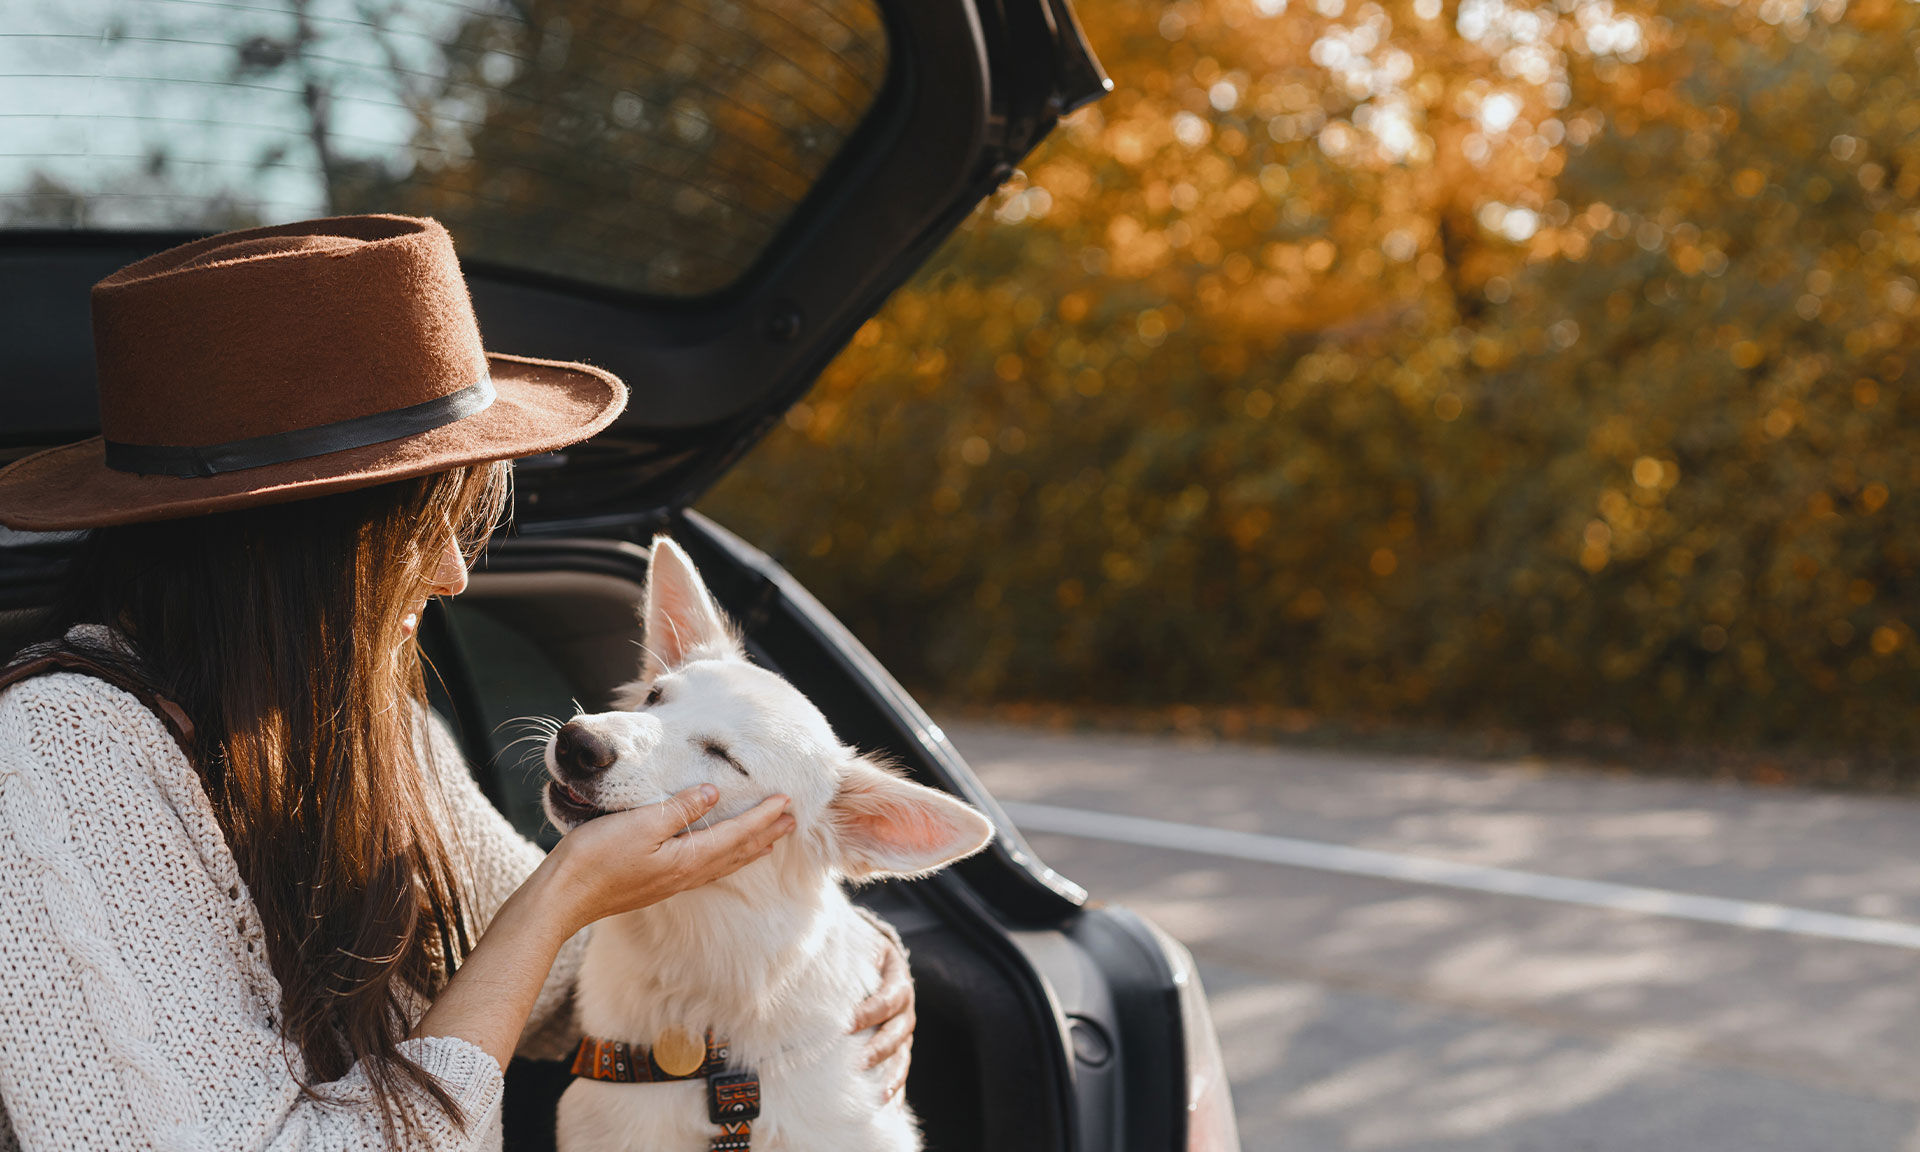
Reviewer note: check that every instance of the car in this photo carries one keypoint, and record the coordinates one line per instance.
(707, 198)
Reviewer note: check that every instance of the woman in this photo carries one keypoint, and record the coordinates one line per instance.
(252, 896)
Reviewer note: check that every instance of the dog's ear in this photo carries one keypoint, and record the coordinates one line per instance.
(887, 826)
(680, 617)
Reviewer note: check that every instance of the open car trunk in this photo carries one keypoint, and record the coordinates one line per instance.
(1042, 1024)
(707, 200)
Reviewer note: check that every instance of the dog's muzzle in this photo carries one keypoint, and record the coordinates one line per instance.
(579, 752)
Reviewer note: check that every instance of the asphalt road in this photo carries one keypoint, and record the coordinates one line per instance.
(1448, 988)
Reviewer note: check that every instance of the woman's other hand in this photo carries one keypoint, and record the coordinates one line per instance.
(889, 1011)
(627, 860)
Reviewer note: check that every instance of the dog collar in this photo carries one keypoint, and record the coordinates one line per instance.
(733, 1098)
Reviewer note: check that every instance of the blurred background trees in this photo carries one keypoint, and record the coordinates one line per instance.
(1537, 364)
(1487, 363)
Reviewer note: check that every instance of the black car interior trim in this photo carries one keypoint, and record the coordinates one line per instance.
(985, 1014)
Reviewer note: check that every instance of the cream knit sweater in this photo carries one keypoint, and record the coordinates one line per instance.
(137, 1010)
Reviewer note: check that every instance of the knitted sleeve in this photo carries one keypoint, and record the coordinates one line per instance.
(498, 860)
(137, 1009)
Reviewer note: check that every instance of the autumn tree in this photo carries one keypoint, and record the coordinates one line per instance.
(1491, 363)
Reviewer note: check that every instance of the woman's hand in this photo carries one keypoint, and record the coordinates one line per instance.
(891, 1009)
(613, 864)
(626, 860)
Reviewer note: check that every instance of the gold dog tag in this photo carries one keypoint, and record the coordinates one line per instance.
(679, 1052)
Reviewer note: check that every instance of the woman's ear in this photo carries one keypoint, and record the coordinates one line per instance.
(680, 616)
(886, 826)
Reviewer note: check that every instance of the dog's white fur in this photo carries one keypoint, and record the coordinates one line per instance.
(773, 957)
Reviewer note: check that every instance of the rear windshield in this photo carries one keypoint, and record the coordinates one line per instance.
(655, 146)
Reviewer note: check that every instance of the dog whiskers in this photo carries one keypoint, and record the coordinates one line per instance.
(542, 729)
(651, 656)
(546, 724)
(703, 824)
(532, 738)
(533, 723)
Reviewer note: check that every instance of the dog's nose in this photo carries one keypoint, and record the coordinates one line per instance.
(577, 748)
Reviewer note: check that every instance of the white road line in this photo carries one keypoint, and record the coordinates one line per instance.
(1325, 857)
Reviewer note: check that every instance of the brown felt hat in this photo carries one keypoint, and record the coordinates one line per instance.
(274, 364)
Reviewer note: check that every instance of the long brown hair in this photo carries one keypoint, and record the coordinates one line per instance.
(278, 630)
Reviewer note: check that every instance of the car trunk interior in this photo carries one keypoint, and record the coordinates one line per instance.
(525, 644)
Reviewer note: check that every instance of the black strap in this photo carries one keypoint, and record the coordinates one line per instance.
(64, 660)
(302, 443)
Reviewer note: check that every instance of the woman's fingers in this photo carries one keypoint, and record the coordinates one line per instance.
(894, 1037)
(891, 1008)
(709, 853)
(678, 812)
(894, 996)
(660, 822)
(630, 859)
(893, 1074)
(895, 993)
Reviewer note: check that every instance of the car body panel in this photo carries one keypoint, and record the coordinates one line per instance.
(971, 86)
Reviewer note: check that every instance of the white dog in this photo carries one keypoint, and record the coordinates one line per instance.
(773, 959)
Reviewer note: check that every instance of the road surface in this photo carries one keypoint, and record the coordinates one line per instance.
(1516, 959)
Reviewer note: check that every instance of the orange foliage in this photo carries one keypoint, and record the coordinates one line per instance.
(1484, 362)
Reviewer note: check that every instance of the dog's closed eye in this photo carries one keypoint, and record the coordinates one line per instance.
(716, 749)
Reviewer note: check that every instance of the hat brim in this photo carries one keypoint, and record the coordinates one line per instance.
(538, 406)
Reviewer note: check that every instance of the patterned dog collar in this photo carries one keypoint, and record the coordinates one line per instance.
(733, 1098)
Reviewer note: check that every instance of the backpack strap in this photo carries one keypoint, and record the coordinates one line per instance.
(65, 660)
